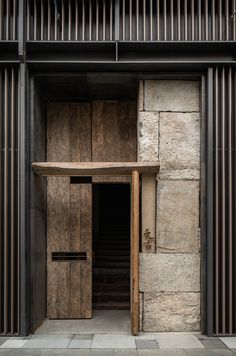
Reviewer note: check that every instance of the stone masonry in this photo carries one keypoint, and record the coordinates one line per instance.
(169, 131)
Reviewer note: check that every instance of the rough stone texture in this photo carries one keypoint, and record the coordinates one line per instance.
(148, 123)
(178, 216)
(164, 272)
(171, 312)
(179, 145)
(171, 95)
(141, 96)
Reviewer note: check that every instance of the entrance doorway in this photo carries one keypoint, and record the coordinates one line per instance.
(111, 247)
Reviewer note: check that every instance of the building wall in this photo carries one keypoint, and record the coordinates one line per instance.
(169, 131)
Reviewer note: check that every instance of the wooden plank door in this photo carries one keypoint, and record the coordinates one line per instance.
(134, 273)
(69, 219)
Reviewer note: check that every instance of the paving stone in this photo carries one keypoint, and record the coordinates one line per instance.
(168, 341)
(213, 344)
(146, 336)
(178, 216)
(125, 352)
(66, 352)
(209, 352)
(3, 339)
(80, 344)
(146, 344)
(101, 352)
(173, 272)
(230, 342)
(48, 342)
(83, 336)
(13, 344)
(171, 95)
(113, 341)
(21, 352)
(159, 352)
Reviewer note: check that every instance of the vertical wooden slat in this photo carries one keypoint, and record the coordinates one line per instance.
(123, 20)
(1, 20)
(234, 21)
(7, 19)
(199, 20)
(97, 21)
(1, 197)
(135, 197)
(55, 22)
(151, 20)
(165, 20)
(90, 20)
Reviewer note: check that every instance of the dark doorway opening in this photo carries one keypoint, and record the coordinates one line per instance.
(111, 246)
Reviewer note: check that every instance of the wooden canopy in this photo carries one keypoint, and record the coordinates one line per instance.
(64, 169)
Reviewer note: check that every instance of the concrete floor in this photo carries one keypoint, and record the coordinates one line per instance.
(103, 321)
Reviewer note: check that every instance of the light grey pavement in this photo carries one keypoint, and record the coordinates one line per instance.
(159, 344)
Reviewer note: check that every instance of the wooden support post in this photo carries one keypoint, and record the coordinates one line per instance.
(135, 202)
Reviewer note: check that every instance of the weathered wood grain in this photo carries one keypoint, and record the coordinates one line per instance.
(64, 169)
(135, 216)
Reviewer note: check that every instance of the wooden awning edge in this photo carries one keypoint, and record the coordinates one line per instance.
(64, 169)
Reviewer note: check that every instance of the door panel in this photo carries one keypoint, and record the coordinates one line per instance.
(69, 213)
(114, 134)
(134, 250)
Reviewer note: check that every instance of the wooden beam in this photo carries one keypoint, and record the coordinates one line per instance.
(135, 212)
(65, 169)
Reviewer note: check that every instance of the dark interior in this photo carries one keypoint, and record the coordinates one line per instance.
(111, 246)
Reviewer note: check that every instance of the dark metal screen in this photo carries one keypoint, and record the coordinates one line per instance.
(9, 243)
(8, 19)
(131, 20)
(224, 228)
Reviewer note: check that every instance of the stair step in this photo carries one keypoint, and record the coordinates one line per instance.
(116, 258)
(112, 264)
(111, 287)
(111, 252)
(112, 306)
(111, 298)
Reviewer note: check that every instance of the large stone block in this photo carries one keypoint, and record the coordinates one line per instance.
(148, 136)
(178, 216)
(171, 95)
(164, 272)
(171, 312)
(179, 145)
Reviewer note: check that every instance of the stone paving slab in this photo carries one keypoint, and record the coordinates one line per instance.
(125, 352)
(213, 344)
(66, 352)
(230, 342)
(146, 344)
(205, 352)
(101, 352)
(178, 342)
(48, 342)
(113, 341)
(166, 352)
(13, 344)
(20, 352)
(80, 344)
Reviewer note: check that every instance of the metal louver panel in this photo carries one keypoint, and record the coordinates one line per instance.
(9, 244)
(8, 19)
(70, 20)
(224, 228)
(135, 20)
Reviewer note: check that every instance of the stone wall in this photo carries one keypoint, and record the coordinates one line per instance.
(169, 131)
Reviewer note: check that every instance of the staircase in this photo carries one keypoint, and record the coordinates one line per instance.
(111, 271)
